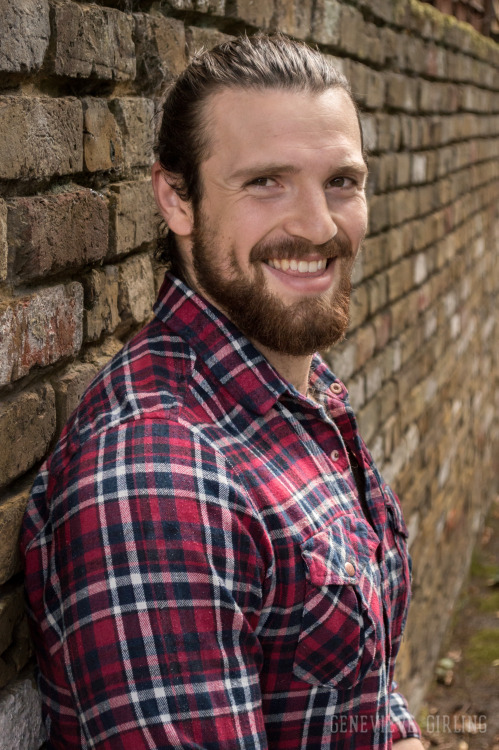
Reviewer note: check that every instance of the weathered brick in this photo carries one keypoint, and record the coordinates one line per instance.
(21, 716)
(402, 92)
(293, 18)
(15, 647)
(69, 386)
(3, 240)
(136, 289)
(133, 216)
(255, 12)
(359, 306)
(160, 47)
(198, 38)
(101, 302)
(40, 329)
(326, 21)
(51, 232)
(102, 144)
(216, 7)
(92, 42)
(25, 35)
(41, 137)
(135, 119)
(27, 423)
(11, 514)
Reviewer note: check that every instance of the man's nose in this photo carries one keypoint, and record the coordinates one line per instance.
(310, 218)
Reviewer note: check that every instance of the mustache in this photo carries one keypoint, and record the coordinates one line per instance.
(299, 248)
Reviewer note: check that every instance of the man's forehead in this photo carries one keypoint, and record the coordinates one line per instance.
(240, 119)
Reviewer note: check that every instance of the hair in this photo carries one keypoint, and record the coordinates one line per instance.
(255, 63)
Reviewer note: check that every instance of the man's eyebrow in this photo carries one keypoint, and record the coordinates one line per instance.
(264, 169)
(260, 170)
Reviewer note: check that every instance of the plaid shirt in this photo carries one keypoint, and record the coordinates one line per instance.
(199, 567)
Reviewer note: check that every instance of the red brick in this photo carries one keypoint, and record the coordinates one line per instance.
(51, 232)
(40, 330)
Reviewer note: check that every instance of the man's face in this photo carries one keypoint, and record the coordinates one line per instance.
(282, 215)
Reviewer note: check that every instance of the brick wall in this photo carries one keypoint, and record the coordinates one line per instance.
(80, 85)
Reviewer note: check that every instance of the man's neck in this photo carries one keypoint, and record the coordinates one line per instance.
(296, 370)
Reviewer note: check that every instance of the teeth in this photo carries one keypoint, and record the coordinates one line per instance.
(302, 266)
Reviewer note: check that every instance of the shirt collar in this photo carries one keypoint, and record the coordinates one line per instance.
(234, 361)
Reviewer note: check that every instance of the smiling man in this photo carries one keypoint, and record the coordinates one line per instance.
(212, 558)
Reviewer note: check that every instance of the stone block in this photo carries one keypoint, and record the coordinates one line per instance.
(135, 119)
(69, 386)
(198, 38)
(161, 51)
(133, 216)
(326, 18)
(136, 289)
(254, 12)
(51, 232)
(11, 514)
(102, 144)
(27, 426)
(25, 35)
(101, 302)
(40, 329)
(3, 240)
(92, 42)
(402, 92)
(20, 716)
(294, 18)
(41, 137)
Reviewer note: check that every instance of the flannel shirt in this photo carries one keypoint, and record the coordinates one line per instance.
(199, 567)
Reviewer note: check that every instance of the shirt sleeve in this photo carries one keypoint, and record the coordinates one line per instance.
(403, 724)
(158, 576)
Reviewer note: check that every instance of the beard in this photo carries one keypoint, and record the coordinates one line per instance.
(296, 329)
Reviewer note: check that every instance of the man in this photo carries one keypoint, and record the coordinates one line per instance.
(212, 558)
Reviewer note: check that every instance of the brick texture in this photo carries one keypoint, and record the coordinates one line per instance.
(81, 93)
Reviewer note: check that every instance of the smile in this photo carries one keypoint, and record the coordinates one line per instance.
(299, 266)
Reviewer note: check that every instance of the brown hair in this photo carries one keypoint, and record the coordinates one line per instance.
(256, 62)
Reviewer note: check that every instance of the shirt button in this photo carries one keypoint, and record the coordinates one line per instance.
(349, 569)
(335, 455)
(335, 388)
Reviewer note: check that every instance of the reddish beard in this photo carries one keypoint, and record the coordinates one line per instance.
(297, 329)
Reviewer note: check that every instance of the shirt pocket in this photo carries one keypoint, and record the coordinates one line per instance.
(342, 632)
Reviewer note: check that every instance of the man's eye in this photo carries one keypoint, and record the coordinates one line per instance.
(262, 182)
(342, 182)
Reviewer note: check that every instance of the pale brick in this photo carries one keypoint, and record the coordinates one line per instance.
(135, 119)
(3, 240)
(27, 425)
(402, 92)
(11, 514)
(101, 302)
(160, 47)
(20, 716)
(198, 38)
(136, 289)
(69, 386)
(359, 306)
(255, 12)
(40, 329)
(41, 137)
(25, 35)
(326, 21)
(294, 18)
(92, 42)
(133, 215)
(102, 143)
(51, 232)
(352, 31)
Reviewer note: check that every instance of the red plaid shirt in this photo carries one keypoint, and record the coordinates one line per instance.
(199, 568)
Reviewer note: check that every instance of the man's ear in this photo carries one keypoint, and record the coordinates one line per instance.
(176, 212)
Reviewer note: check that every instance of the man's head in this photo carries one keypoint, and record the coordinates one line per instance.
(261, 165)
